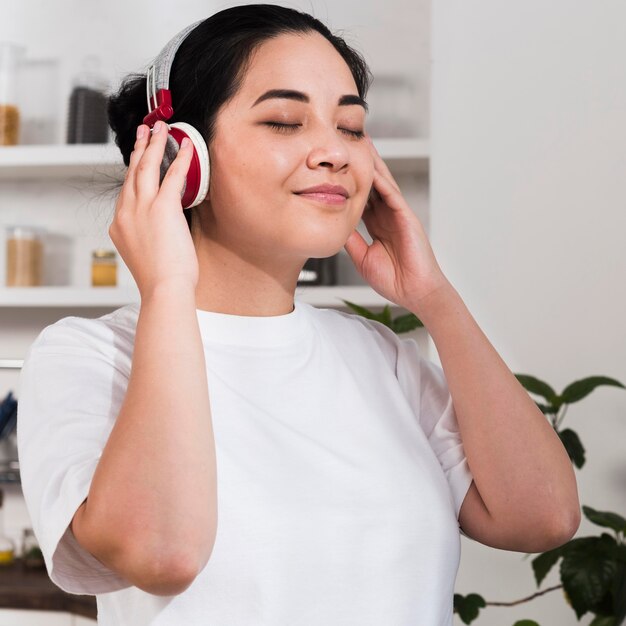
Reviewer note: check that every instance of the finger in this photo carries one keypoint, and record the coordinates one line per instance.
(356, 247)
(387, 192)
(174, 180)
(140, 145)
(380, 164)
(147, 172)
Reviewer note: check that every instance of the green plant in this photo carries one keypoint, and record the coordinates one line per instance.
(592, 569)
(401, 324)
(557, 405)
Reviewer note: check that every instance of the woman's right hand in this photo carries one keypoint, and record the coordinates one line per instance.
(149, 228)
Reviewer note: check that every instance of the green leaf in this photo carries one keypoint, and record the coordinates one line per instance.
(620, 552)
(606, 519)
(544, 562)
(582, 388)
(538, 387)
(604, 620)
(406, 323)
(385, 316)
(370, 315)
(619, 593)
(587, 572)
(526, 622)
(468, 606)
(573, 445)
(546, 409)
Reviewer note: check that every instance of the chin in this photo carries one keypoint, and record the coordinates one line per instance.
(323, 245)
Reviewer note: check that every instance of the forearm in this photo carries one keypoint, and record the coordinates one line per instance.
(520, 466)
(155, 484)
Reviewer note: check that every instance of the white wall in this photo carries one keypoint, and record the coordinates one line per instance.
(528, 220)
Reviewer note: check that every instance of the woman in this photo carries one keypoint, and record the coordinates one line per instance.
(234, 456)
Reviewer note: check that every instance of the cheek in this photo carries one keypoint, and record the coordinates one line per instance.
(364, 173)
(259, 164)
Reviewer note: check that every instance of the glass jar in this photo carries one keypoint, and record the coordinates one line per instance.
(31, 552)
(24, 256)
(10, 58)
(39, 81)
(103, 268)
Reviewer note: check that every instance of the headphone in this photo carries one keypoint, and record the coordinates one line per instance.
(159, 97)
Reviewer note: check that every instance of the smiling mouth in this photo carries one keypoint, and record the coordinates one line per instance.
(326, 198)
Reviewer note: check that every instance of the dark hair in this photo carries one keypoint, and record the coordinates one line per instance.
(210, 65)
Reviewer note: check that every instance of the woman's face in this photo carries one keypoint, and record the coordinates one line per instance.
(257, 167)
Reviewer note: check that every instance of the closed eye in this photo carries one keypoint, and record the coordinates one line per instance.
(289, 128)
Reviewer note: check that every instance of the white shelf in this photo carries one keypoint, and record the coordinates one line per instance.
(325, 297)
(100, 161)
(60, 161)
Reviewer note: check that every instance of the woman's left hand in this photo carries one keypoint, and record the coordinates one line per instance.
(399, 264)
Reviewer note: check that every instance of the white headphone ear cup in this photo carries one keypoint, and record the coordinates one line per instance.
(203, 155)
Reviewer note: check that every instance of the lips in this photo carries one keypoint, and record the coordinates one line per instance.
(328, 190)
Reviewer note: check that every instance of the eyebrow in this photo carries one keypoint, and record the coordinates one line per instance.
(290, 94)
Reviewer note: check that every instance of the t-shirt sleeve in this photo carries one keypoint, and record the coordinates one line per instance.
(424, 384)
(70, 392)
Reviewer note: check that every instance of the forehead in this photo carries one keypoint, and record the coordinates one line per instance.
(303, 61)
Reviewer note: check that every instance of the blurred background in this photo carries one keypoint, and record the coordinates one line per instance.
(505, 125)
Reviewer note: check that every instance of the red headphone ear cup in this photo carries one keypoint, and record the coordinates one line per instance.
(197, 181)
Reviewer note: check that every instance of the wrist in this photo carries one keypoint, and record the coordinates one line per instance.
(437, 305)
(170, 290)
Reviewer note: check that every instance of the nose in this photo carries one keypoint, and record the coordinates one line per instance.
(328, 149)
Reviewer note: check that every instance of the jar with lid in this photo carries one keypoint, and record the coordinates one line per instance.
(24, 256)
(31, 552)
(87, 114)
(10, 58)
(103, 268)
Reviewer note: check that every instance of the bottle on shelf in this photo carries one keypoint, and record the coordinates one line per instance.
(7, 545)
(87, 115)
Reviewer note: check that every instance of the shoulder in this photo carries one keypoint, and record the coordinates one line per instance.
(107, 335)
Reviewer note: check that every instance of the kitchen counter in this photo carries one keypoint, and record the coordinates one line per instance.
(25, 588)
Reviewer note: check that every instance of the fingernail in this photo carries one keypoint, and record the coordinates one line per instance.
(141, 131)
(157, 127)
(185, 142)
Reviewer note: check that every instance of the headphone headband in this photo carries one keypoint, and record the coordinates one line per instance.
(158, 79)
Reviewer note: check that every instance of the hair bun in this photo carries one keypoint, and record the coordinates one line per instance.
(126, 110)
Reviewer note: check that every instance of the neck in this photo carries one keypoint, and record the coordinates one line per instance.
(229, 283)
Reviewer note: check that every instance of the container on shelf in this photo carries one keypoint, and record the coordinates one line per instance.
(87, 114)
(103, 268)
(10, 58)
(24, 256)
(38, 91)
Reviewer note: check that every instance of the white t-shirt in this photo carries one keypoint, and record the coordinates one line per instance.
(340, 470)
